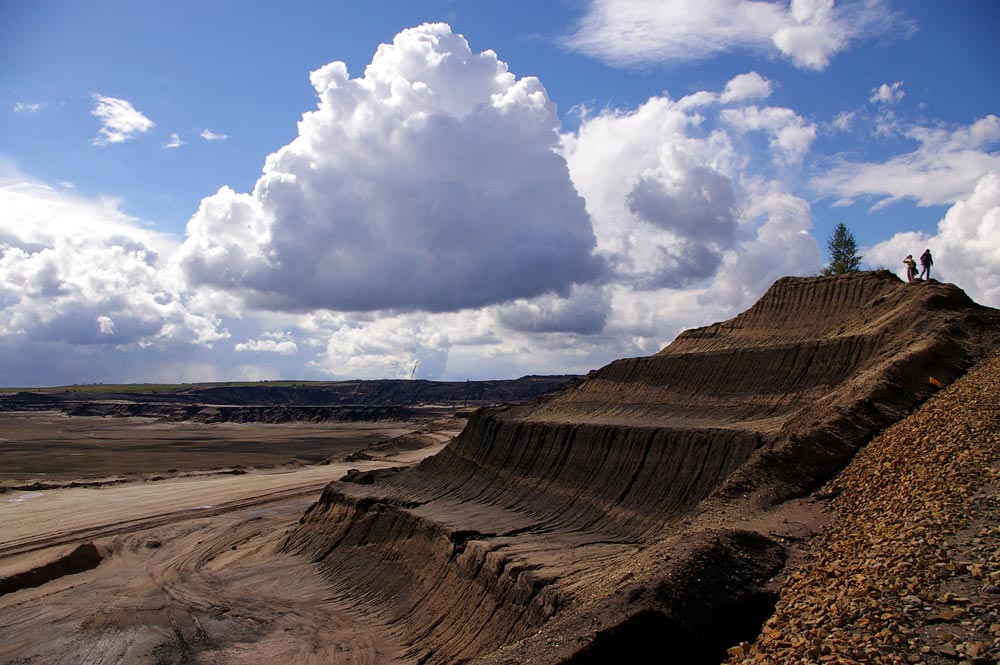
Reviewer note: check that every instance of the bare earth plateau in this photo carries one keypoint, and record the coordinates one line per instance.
(192, 553)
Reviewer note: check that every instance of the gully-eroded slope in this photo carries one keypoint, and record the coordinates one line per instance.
(624, 517)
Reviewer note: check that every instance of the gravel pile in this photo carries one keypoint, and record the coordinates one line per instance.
(908, 571)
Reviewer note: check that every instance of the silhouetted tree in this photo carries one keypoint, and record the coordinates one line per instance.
(843, 250)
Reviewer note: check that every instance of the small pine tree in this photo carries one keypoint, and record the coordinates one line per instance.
(843, 250)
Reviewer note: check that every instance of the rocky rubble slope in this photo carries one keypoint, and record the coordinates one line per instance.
(615, 519)
(909, 569)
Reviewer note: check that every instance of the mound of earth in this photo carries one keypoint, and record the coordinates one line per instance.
(638, 515)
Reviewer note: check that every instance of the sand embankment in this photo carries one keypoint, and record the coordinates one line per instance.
(625, 515)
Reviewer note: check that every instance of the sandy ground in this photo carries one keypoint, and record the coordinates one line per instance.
(49, 446)
(191, 574)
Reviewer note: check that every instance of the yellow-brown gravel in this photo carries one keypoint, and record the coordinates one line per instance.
(908, 571)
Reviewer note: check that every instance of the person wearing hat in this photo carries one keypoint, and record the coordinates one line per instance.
(911, 268)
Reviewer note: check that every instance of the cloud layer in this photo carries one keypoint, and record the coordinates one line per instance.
(430, 210)
(81, 273)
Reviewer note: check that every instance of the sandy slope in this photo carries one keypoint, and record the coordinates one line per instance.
(190, 574)
(615, 521)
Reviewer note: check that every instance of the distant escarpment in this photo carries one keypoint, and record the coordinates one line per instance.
(335, 401)
(619, 519)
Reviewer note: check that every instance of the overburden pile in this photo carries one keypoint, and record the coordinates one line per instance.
(615, 520)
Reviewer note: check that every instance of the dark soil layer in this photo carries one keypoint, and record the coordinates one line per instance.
(612, 518)
(46, 449)
(81, 558)
(202, 413)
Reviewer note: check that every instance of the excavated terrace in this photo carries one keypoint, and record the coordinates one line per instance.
(613, 518)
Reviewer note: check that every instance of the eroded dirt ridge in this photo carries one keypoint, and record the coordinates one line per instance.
(613, 518)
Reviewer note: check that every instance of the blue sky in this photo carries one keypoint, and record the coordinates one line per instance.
(612, 173)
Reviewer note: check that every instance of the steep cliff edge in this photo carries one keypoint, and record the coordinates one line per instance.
(613, 518)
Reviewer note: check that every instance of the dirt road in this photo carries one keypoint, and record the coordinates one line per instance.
(190, 574)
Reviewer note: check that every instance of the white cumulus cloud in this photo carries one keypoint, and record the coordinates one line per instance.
(79, 274)
(745, 87)
(741, 88)
(808, 32)
(209, 135)
(120, 120)
(279, 342)
(661, 201)
(790, 136)
(887, 93)
(689, 226)
(431, 183)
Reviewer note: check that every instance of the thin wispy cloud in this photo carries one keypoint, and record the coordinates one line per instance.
(942, 170)
(175, 141)
(209, 135)
(844, 121)
(27, 107)
(629, 33)
(120, 121)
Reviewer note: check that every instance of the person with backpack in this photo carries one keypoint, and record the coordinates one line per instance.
(926, 261)
(911, 268)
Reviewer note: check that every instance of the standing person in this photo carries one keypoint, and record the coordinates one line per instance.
(911, 268)
(926, 261)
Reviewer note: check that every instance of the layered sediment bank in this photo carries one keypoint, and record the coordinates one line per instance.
(639, 513)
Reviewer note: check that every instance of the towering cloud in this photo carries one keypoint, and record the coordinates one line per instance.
(688, 224)
(430, 183)
(662, 201)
